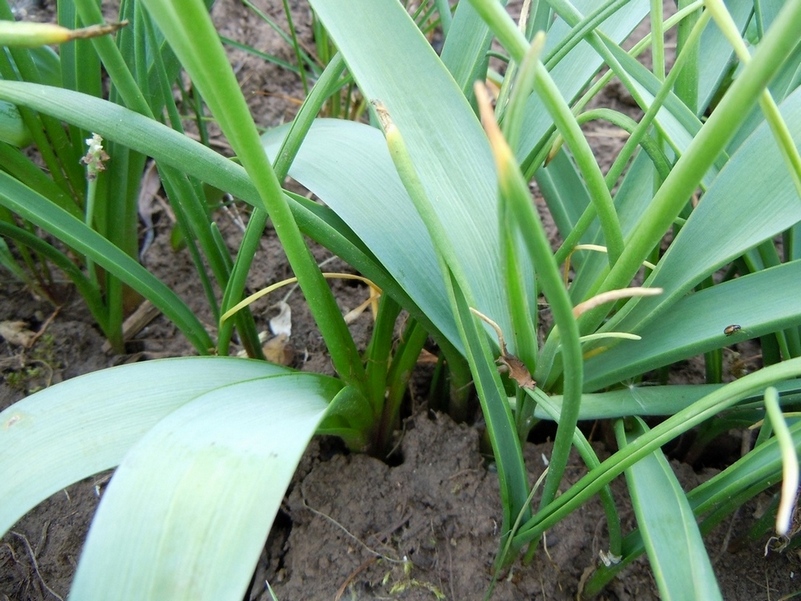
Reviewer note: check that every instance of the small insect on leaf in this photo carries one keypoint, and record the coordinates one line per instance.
(732, 329)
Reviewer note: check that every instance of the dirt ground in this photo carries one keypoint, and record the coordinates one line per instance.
(351, 527)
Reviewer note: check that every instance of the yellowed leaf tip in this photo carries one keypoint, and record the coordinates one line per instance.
(94, 31)
(500, 149)
(613, 295)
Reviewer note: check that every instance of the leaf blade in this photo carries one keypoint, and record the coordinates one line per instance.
(187, 512)
(672, 540)
(82, 426)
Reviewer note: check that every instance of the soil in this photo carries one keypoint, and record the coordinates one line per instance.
(351, 527)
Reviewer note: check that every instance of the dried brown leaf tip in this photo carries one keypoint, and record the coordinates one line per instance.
(508, 363)
(517, 369)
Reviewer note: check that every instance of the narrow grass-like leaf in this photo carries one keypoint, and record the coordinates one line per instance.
(515, 198)
(87, 289)
(37, 209)
(789, 494)
(189, 508)
(634, 400)
(12, 127)
(500, 425)
(347, 165)
(169, 147)
(750, 475)
(701, 153)
(717, 53)
(677, 124)
(234, 288)
(572, 73)
(557, 107)
(762, 465)
(495, 408)
(189, 30)
(682, 421)
(465, 50)
(755, 171)
(676, 551)
(552, 409)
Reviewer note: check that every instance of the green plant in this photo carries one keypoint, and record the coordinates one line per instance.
(473, 244)
(103, 196)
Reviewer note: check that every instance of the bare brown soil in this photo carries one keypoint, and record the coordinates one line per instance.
(352, 527)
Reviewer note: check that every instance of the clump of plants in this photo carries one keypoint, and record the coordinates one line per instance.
(434, 208)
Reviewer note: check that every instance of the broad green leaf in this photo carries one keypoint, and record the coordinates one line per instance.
(635, 400)
(465, 50)
(713, 403)
(716, 52)
(648, 400)
(760, 303)
(506, 446)
(764, 12)
(12, 129)
(762, 465)
(348, 167)
(89, 291)
(394, 64)
(190, 32)
(676, 551)
(672, 196)
(566, 194)
(631, 201)
(149, 137)
(171, 148)
(70, 431)
(187, 512)
(675, 121)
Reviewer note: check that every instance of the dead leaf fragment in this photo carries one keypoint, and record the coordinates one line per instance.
(517, 370)
(277, 351)
(281, 324)
(17, 333)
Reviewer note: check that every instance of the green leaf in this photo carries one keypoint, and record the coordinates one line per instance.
(187, 512)
(726, 215)
(70, 431)
(38, 210)
(760, 303)
(465, 50)
(717, 53)
(646, 400)
(572, 73)
(713, 403)
(676, 551)
(348, 167)
(720, 495)
(675, 121)
(394, 64)
(12, 128)
(500, 424)
(190, 32)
